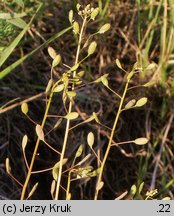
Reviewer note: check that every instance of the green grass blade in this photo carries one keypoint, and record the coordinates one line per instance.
(7, 70)
(7, 52)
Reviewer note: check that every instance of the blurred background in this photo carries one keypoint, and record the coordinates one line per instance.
(141, 31)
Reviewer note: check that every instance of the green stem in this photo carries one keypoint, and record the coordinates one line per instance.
(110, 141)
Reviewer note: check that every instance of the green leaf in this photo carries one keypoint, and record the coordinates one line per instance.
(141, 141)
(7, 52)
(7, 16)
(71, 116)
(7, 70)
(20, 23)
(20, 3)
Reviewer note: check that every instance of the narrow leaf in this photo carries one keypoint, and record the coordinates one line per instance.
(11, 67)
(20, 23)
(32, 190)
(7, 52)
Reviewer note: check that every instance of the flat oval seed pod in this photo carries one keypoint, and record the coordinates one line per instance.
(56, 61)
(52, 52)
(141, 141)
(94, 13)
(39, 132)
(24, 108)
(130, 104)
(117, 61)
(24, 142)
(56, 168)
(49, 85)
(90, 139)
(92, 48)
(71, 116)
(76, 27)
(59, 88)
(100, 185)
(71, 16)
(104, 28)
(141, 102)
